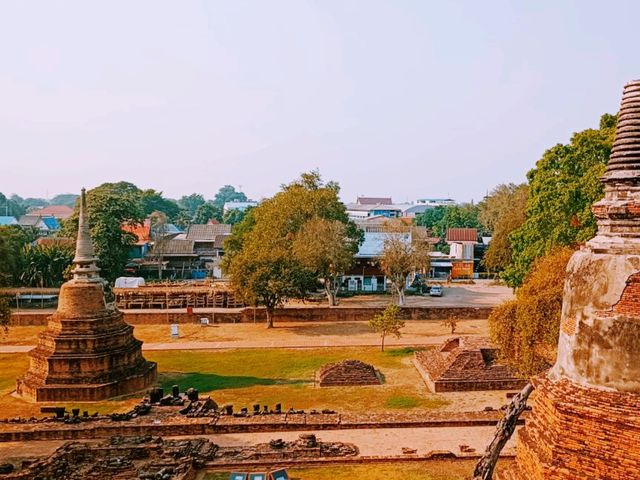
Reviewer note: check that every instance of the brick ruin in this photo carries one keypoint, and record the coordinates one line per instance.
(465, 364)
(347, 373)
(87, 351)
(585, 421)
(154, 458)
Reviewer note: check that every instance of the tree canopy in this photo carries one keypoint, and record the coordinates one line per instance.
(226, 194)
(259, 254)
(562, 187)
(439, 219)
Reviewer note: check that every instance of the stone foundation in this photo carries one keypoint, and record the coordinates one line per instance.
(577, 432)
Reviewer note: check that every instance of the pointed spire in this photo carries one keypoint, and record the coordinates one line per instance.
(625, 156)
(85, 260)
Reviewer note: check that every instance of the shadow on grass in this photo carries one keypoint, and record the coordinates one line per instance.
(402, 352)
(207, 382)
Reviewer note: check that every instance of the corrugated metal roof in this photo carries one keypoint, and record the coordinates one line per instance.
(4, 220)
(462, 235)
(175, 247)
(207, 233)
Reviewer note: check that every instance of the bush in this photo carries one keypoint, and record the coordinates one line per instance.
(526, 329)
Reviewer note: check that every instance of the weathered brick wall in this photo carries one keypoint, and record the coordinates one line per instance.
(629, 303)
(576, 432)
(347, 373)
(312, 314)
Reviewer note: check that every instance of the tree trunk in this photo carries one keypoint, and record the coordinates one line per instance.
(401, 299)
(504, 430)
(331, 296)
(269, 317)
(382, 345)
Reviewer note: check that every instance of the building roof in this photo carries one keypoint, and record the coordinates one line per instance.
(207, 233)
(462, 235)
(178, 248)
(51, 223)
(142, 231)
(219, 241)
(59, 211)
(8, 220)
(374, 201)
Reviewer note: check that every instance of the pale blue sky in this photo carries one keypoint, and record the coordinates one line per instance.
(404, 98)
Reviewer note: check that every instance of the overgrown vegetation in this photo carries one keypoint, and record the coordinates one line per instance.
(527, 328)
(387, 323)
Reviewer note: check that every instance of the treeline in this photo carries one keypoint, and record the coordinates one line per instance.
(110, 206)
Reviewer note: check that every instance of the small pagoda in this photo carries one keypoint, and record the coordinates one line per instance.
(585, 422)
(87, 352)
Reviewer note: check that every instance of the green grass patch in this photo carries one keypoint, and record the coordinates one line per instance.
(403, 401)
(402, 352)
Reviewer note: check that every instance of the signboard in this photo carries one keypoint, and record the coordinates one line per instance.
(462, 270)
(174, 330)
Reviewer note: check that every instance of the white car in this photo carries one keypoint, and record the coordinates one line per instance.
(436, 291)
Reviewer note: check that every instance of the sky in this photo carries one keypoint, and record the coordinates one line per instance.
(408, 99)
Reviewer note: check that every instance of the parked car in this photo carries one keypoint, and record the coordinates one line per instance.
(436, 291)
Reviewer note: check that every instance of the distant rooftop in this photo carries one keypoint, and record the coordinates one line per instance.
(462, 235)
(374, 201)
(59, 211)
(4, 220)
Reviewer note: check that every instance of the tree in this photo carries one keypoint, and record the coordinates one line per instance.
(562, 188)
(46, 265)
(450, 322)
(5, 314)
(404, 252)
(68, 199)
(235, 215)
(527, 328)
(226, 194)
(440, 219)
(12, 242)
(259, 254)
(10, 207)
(206, 212)
(158, 228)
(191, 202)
(110, 206)
(153, 201)
(387, 323)
(324, 247)
(502, 212)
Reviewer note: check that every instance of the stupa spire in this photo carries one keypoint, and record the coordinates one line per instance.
(85, 268)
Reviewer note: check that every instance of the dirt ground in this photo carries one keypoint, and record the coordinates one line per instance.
(249, 335)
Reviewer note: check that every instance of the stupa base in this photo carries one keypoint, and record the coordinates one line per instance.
(577, 432)
(30, 389)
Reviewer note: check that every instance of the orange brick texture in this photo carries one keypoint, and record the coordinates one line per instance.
(576, 432)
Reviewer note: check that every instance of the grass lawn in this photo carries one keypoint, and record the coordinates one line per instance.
(427, 470)
(264, 376)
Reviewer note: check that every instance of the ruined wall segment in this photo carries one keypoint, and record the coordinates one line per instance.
(87, 352)
(585, 421)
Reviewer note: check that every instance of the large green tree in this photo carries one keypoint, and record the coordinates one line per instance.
(324, 247)
(46, 265)
(191, 202)
(110, 206)
(259, 255)
(562, 188)
(13, 240)
(207, 211)
(226, 194)
(439, 219)
(11, 207)
(153, 201)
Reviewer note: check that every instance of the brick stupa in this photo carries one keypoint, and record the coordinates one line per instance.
(87, 352)
(585, 422)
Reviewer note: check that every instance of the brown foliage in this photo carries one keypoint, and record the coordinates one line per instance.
(526, 329)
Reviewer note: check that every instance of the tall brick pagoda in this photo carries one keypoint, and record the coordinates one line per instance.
(87, 351)
(585, 422)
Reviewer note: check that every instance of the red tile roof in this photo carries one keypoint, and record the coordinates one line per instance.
(462, 235)
(142, 232)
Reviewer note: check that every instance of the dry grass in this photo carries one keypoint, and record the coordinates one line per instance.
(428, 470)
(264, 376)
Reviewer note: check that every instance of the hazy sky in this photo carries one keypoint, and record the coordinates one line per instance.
(401, 98)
